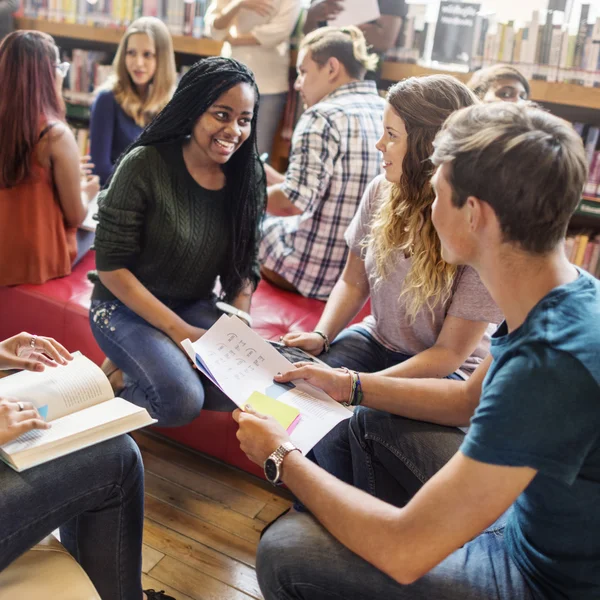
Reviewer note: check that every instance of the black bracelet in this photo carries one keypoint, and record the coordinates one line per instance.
(325, 339)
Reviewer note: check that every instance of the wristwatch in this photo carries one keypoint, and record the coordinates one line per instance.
(232, 310)
(272, 465)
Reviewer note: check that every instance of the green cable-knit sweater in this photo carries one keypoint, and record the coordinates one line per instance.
(156, 221)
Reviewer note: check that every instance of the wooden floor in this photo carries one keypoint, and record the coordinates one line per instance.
(203, 522)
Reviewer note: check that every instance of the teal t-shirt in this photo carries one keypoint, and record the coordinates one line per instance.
(540, 408)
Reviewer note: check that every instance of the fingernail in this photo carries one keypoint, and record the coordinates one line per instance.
(248, 407)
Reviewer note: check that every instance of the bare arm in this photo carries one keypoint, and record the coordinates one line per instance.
(347, 297)
(128, 288)
(456, 504)
(64, 162)
(382, 34)
(456, 342)
(278, 204)
(442, 401)
(244, 298)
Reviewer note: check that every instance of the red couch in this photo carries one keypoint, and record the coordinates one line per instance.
(59, 309)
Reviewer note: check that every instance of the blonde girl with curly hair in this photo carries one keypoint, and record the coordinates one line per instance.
(428, 318)
(143, 81)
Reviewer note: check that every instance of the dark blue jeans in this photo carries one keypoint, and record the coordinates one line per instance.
(356, 349)
(157, 373)
(96, 497)
(391, 458)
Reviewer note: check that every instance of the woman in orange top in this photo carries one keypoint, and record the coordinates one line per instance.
(41, 199)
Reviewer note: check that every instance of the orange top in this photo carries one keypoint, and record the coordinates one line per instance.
(35, 244)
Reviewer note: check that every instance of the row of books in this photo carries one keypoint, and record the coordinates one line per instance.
(591, 139)
(540, 49)
(583, 250)
(181, 16)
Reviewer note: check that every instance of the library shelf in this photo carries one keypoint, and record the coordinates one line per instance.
(113, 35)
(541, 91)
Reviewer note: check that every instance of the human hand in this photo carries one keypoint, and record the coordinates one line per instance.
(259, 435)
(324, 10)
(32, 353)
(310, 342)
(86, 166)
(17, 418)
(335, 382)
(265, 8)
(273, 176)
(187, 332)
(90, 185)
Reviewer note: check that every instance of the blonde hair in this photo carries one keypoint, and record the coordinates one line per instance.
(347, 44)
(143, 110)
(403, 219)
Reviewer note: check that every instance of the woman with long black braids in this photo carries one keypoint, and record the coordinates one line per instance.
(182, 209)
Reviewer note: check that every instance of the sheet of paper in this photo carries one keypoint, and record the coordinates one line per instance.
(65, 389)
(242, 363)
(89, 223)
(356, 12)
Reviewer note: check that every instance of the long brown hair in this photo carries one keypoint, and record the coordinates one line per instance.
(29, 99)
(143, 110)
(403, 219)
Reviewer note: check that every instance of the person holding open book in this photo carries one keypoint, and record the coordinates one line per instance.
(428, 318)
(182, 209)
(511, 510)
(99, 510)
(43, 196)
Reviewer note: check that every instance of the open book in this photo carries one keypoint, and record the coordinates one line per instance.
(77, 399)
(239, 362)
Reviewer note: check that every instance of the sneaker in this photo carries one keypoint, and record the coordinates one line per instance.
(154, 595)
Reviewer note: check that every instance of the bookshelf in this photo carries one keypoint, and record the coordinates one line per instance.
(112, 35)
(541, 91)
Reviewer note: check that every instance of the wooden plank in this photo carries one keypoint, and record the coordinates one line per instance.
(149, 583)
(150, 558)
(201, 531)
(113, 35)
(216, 491)
(202, 558)
(202, 507)
(270, 512)
(194, 583)
(234, 478)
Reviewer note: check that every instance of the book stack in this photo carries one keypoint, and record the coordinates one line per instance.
(583, 250)
(181, 16)
(541, 49)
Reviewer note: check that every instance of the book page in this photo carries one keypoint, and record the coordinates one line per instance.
(64, 389)
(243, 363)
(71, 425)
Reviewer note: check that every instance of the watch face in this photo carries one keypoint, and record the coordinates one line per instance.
(271, 470)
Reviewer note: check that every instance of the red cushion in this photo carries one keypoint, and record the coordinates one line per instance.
(59, 308)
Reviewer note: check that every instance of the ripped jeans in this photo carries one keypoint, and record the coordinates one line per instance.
(157, 373)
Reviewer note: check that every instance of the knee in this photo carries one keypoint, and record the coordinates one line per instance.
(121, 460)
(279, 555)
(179, 402)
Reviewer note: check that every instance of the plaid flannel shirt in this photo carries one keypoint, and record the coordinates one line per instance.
(332, 160)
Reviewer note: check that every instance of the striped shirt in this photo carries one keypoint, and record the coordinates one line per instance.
(332, 160)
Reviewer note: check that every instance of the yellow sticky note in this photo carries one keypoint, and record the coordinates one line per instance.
(285, 415)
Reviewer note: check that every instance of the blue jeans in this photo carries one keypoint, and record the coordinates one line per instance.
(389, 457)
(298, 559)
(157, 373)
(96, 497)
(356, 349)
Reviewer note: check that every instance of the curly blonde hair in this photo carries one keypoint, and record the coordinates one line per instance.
(402, 221)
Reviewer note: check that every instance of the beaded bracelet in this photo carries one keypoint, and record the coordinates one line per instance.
(325, 339)
(356, 393)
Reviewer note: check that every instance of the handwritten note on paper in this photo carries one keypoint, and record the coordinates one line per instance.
(242, 363)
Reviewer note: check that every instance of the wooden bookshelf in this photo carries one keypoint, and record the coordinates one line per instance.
(113, 35)
(541, 91)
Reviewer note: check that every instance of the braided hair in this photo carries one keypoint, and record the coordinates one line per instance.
(198, 89)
